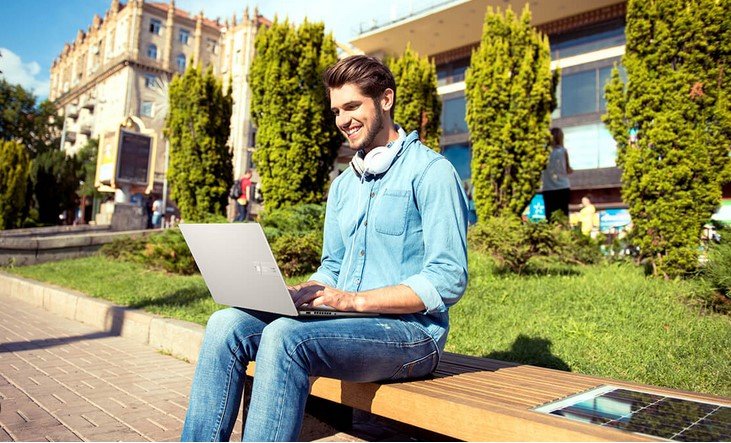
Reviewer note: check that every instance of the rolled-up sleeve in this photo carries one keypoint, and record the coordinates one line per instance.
(333, 247)
(443, 208)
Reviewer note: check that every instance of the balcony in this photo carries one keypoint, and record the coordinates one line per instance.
(85, 129)
(73, 112)
(71, 137)
(89, 104)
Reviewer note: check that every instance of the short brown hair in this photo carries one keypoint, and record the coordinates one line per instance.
(556, 137)
(368, 73)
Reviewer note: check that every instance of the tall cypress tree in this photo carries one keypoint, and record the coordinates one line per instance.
(14, 166)
(198, 127)
(510, 96)
(417, 104)
(675, 105)
(296, 140)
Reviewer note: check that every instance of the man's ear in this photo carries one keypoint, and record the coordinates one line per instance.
(387, 100)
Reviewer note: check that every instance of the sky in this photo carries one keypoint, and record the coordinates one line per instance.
(33, 32)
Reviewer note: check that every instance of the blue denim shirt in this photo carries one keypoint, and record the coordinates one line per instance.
(406, 226)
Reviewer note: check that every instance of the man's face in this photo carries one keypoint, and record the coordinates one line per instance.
(358, 117)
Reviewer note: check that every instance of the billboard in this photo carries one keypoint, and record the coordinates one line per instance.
(107, 157)
(134, 157)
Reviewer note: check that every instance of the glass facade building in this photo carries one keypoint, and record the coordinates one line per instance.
(586, 59)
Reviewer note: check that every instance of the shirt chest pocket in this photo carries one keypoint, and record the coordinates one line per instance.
(393, 206)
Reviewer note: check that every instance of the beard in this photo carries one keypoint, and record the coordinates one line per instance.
(367, 143)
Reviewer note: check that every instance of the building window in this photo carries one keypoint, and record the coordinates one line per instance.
(452, 72)
(460, 155)
(155, 26)
(181, 62)
(152, 52)
(588, 40)
(212, 45)
(150, 80)
(184, 36)
(583, 92)
(146, 109)
(590, 146)
(453, 116)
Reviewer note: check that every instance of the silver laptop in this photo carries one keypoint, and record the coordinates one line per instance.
(239, 268)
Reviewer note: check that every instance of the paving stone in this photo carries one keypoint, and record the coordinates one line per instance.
(72, 382)
(4, 436)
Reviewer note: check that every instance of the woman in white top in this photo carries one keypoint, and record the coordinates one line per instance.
(556, 185)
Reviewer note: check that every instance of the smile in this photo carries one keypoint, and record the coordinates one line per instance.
(350, 132)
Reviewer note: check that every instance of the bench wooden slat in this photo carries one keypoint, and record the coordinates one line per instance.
(479, 399)
(521, 378)
(502, 394)
(460, 417)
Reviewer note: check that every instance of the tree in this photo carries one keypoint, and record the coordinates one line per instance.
(198, 127)
(86, 160)
(672, 124)
(296, 139)
(510, 96)
(54, 180)
(35, 127)
(417, 106)
(14, 164)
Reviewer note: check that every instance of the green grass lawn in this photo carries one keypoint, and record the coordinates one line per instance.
(605, 320)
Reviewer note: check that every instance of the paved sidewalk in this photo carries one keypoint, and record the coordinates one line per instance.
(62, 380)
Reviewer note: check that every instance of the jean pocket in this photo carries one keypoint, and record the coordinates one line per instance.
(391, 215)
(417, 368)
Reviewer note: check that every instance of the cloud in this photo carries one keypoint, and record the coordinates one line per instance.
(14, 71)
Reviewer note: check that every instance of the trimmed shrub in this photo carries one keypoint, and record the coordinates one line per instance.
(295, 233)
(296, 140)
(510, 92)
(717, 272)
(124, 248)
(293, 219)
(514, 244)
(672, 123)
(298, 254)
(167, 250)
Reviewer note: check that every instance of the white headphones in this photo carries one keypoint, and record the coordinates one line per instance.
(379, 159)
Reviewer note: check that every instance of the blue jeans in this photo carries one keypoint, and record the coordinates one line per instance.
(287, 352)
(241, 211)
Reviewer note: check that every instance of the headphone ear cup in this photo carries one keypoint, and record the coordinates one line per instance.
(358, 164)
(379, 159)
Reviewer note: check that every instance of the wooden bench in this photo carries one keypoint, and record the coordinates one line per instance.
(480, 399)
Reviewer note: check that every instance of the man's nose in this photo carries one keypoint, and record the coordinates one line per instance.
(342, 119)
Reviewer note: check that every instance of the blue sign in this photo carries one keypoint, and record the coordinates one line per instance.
(613, 218)
(536, 208)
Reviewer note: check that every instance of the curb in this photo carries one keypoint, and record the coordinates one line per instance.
(179, 338)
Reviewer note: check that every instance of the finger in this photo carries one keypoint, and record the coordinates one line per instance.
(305, 298)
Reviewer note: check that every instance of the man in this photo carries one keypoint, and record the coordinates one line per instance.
(242, 200)
(394, 243)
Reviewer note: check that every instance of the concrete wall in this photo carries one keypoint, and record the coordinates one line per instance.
(18, 250)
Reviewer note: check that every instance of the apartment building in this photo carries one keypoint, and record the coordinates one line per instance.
(111, 83)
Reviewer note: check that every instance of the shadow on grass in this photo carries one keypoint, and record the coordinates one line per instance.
(534, 351)
(181, 297)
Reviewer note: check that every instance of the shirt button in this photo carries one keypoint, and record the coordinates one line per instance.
(362, 253)
(373, 194)
(365, 223)
(357, 281)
